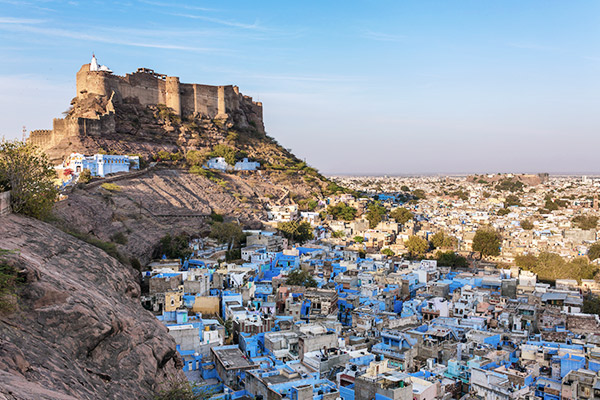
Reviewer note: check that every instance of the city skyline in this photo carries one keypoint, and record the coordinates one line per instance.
(384, 89)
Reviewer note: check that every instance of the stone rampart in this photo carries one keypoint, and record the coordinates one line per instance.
(150, 88)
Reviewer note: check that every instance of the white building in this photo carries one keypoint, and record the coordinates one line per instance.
(101, 164)
(246, 165)
(217, 163)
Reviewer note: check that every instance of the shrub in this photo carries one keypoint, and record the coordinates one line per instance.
(119, 238)
(112, 187)
(28, 174)
(85, 176)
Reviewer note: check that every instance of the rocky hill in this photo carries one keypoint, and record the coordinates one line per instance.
(79, 331)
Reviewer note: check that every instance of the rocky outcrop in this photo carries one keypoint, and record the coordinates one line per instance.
(79, 331)
(170, 201)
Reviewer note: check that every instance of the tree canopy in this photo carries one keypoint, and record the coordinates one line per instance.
(174, 246)
(227, 232)
(451, 259)
(550, 267)
(585, 222)
(375, 213)
(401, 215)
(296, 231)
(441, 239)
(487, 242)
(28, 174)
(416, 246)
(342, 211)
(594, 251)
(298, 277)
(527, 225)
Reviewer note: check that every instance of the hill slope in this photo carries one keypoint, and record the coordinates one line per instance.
(79, 330)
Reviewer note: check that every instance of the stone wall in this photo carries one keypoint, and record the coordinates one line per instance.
(5, 203)
(208, 305)
(149, 88)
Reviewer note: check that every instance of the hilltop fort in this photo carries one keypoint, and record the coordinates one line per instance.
(113, 107)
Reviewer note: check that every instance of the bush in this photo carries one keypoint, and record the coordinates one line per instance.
(416, 246)
(585, 222)
(387, 252)
(28, 174)
(85, 176)
(174, 246)
(298, 277)
(487, 242)
(111, 187)
(9, 280)
(227, 232)
(119, 238)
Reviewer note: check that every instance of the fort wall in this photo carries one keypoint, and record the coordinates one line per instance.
(150, 88)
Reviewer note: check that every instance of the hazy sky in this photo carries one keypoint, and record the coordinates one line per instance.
(352, 86)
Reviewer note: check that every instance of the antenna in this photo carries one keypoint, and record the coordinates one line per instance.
(24, 133)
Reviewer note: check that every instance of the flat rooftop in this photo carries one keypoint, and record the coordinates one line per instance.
(232, 358)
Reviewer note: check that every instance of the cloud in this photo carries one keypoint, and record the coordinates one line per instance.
(172, 5)
(24, 21)
(234, 24)
(382, 37)
(105, 36)
(532, 46)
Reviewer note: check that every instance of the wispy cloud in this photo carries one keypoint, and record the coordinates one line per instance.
(301, 78)
(103, 35)
(532, 46)
(175, 5)
(11, 20)
(382, 37)
(235, 24)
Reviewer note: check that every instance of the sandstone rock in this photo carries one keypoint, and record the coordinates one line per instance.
(79, 331)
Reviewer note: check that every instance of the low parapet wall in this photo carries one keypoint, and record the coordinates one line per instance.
(5, 203)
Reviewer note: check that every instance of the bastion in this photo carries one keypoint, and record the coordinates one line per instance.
(146, 87)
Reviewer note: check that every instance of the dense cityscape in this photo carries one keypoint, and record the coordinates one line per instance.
(479, 287)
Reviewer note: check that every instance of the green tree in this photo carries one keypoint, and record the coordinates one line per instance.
(487, 242)
(387, 252)
(375, 213)
(591, 305)
(338, 234)
(594, 251)
(227, 232)
(28, 174)
(503, 211)
(451, 259)
(342, 211)
(512, 200)
(227, 152)
(85, 176)
(527, 225)
(358, 239)
(526, 261)
(405, 188)
(585, 222)
(419, 194)
(196, 158)
(401, 215)
(416, 246)
(296, 231)
(440, 239)
(298, 277)
(174, 246)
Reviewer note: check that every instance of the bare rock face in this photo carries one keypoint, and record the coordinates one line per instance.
(79, 331)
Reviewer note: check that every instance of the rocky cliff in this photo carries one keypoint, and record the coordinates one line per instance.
(79, 331)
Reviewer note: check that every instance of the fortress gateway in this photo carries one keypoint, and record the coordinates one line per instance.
(146, 87)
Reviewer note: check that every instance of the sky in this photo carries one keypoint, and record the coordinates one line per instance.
(356, 87)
